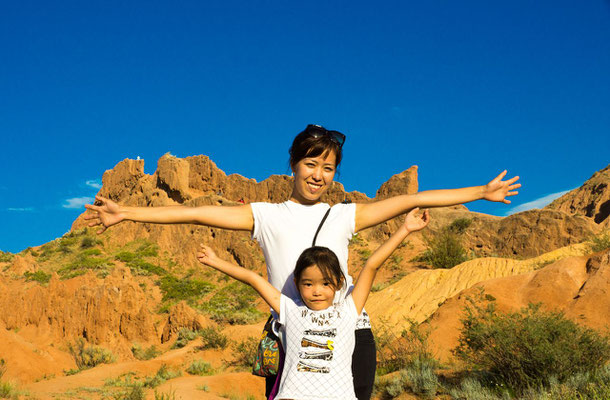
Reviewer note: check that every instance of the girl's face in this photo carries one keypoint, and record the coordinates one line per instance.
(316, 291)
(312, 178)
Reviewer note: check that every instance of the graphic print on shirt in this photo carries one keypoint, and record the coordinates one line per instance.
(316, 351)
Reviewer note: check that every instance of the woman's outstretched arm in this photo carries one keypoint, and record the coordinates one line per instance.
(371, 214)
(107, 213)
(270, 294)
(362, 288)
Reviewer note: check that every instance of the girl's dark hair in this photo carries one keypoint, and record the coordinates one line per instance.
(306, 145)
(323, 258)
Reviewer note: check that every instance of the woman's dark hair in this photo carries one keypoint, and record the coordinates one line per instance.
(323, 258)
(306, 145)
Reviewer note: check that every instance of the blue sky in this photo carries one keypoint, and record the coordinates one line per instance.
(462, 89)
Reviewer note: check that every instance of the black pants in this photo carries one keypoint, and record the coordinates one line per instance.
(364, 364)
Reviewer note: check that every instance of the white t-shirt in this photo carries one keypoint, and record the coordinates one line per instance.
(319, 347)
(284, 230)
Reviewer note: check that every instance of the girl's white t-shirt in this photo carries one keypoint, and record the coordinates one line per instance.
(319, 347)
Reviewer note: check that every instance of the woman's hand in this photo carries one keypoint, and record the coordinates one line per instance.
(414, 222)
(498, 190)
(106, 213)
(207, 256)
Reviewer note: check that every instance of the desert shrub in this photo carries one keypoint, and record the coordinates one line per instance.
(245, 352)
(200, 367)
(125, 256)
(185, 335)
(471, 389)
(8, 391)
(600, 242)
(171, 395)
(145, 354)
(233, 304)
(6, 256)
(460, 225)
(444, 250)
(364, 254)
(133, 392)
(91, 252)
(396, 352)
(525, 349)
(88, 242)
(147, 249)
(38, 276)
(163, 374)
(142, 267)
(89, 356)
(213, 338)
(421, 377)
(84, 263)
(176, 289)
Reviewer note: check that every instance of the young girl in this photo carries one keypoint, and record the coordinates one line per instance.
(319, 328)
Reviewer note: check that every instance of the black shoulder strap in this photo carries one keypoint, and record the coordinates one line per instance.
(320, 227)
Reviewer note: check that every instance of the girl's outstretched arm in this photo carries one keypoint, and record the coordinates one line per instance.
(270, 294)
(107, 213)
(362, 288)
(371, 214)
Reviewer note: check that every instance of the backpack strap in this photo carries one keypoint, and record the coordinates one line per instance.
(320, 227)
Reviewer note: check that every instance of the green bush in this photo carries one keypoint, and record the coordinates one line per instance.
(133, 392)
(8, 391)
(185, 335)
(6, 256)
(245, 352)
(89, 356)
(125, 256)
(600, 242)
(213, 338)
(147, 249)
(88, 242)
(398, 352)
(145, 354)
(142, 267)
(38, 276)
(460, 225)
(421, 377)
(200, 367)
(176, 289)
(233, 304)
(84, 263)
(444, 250)
(525, 349)
(163, 374)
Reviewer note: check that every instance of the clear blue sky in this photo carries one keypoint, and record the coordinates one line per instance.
(462, 89)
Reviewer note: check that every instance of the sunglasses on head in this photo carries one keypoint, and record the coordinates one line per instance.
(317, 131)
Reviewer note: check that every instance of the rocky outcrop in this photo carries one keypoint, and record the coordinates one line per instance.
(592, 199)
(100, 311)
(578, 286)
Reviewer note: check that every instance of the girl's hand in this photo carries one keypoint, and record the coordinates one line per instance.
(414, 222)
(498, 190)
(106, 213)
(206, 255)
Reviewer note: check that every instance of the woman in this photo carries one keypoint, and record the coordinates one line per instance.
(284, 230)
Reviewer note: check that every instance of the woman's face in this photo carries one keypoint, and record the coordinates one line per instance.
(312, 178)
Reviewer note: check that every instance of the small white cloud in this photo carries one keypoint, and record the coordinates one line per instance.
(20, 209)
(538, 203)
(94, 183)
(77, 202)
